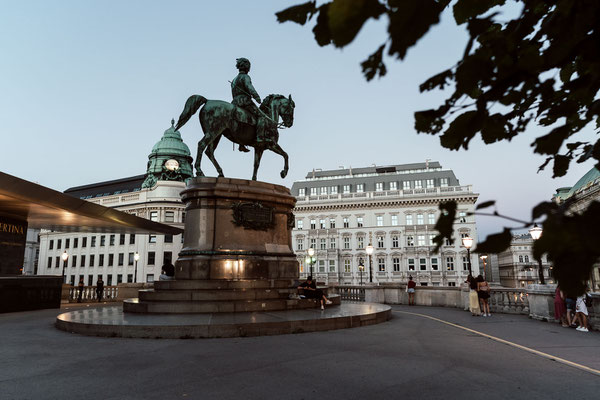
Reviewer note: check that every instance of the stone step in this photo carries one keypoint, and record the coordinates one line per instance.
(213, 294)
(212, 306)
(191, 284)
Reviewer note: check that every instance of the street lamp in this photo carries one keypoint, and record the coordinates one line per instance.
(370, 252)
(536, 233)
(484, 259)
(361, 268)
(310, 259)
(65, 257)
(136, 257)
(467, 241)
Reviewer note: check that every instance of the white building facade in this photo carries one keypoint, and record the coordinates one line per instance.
(517, 265)
(395, 208)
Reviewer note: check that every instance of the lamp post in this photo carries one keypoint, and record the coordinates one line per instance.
(65, 257)
(310, 259)
(136, 257)
(361, 268)
(370, 253)
(536, 233)
(484, 259)
(467, 241)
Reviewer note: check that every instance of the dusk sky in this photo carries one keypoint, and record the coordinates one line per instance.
(87, 88)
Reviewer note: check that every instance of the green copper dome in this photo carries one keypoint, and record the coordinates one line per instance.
(171, 144)
(590, 178)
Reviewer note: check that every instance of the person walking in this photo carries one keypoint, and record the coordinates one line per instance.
(473, 298)
(410, 289)
(99, 289)
(560, 309)
(483, 294)
(80, 287)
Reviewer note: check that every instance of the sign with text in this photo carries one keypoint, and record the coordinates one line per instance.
(13, 235)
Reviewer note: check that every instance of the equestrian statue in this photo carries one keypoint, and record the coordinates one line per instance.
(240, 121)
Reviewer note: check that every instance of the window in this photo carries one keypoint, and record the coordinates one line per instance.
(361, 242)
(109, 280)
(520, 258)
(101, 260)
(431, 219)
(84, 242)
(346, 242)
(67, 243)
(168, 238)
(302, 192)
(333, 189)
(444, 182)
(58, 243)
(131, 239)
(331, 223)
(323, 244)
(154, 216)
(450, 263)
(379, 220)
(347, 265)
(51, 245)
(346, 222)
(149, 278)
(411, 264)
(102, 240)
(75, 243)
(431, 237)
(452, 284)
(380, 242)
(447, 242)
(82, 260)
(57, 264)
(152, 239)
(313, 224)
(526, 258)
(406, 185)
(346, 189)
(465, 262)
(420, 240)
(331, 265)
(396, 264)
(422, 264)
(74, 261)
(434, 264)
(151, 258)
(121, 259)
(313, 191)
(92, 261)
(360, 187)
(130, 259)
(395, 242)
(322, 224)
(323, 190)
(129, 278)
(90, 280)
(111, 260)
(169, 216)
(321, 265)
(409, 219)
(462, 217)
(394, 220)
(410, 241)
(418, 184)
(359, 222)
(420, 219)
(299, 244)
(393, 185)
(381, 264)
(121, 239)
(300, 224)
(429, 183)
(332, 243)
(313, 243)
(167, 257)
(379, 187)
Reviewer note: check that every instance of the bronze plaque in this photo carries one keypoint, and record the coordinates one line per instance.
(253, 216)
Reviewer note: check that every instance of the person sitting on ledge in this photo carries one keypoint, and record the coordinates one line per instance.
(311, 292)
(168, 272)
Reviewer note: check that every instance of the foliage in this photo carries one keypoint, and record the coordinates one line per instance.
(542, 66)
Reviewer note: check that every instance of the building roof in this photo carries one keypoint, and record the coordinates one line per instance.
(107, 188)
(587, 180)
(171, 144)
(349, 172)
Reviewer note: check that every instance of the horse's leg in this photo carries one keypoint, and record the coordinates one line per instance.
(201, 146)
(210, 153)
(257, 156)
(275, 148)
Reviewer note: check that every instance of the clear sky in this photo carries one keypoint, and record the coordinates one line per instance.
(87, 88)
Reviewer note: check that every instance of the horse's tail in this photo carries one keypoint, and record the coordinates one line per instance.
(191, 106)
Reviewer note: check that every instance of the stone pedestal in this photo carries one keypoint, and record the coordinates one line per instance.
(541, 301)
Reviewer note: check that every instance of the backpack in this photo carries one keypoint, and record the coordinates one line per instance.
(588, 300)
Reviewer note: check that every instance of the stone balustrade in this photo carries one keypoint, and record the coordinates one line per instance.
(88, 294)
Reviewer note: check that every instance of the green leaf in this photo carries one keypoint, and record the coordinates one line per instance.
(561, 165)
(445, 224)
(461, 131)
(346, 17)
(437, 81)
(495, 243)
(485, 204)
(298, 14)
(465, 9)
(374, 65)
(428, 121)
(321, 29)
(550, 143)
(541, 209)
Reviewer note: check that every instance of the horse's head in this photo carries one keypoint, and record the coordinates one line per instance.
(283, 107)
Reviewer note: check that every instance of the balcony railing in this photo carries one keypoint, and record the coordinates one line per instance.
(388, 194)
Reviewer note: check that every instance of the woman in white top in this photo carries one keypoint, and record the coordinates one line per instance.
(582, 313)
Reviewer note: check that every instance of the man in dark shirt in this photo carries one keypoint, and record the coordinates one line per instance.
(99, 289)
(311, 292)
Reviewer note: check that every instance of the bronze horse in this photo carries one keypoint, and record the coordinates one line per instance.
(220, 118)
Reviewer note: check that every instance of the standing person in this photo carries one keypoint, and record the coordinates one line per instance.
(473, 298)
(410, 289)
(570, 303)
(80, 287)
(582, 313)
(311, 291)
(560, 309)
(99, 288)
(483, 294)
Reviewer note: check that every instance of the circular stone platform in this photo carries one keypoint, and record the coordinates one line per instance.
(112, 322)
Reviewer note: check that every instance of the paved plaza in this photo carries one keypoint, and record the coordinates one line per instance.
(409, 356)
